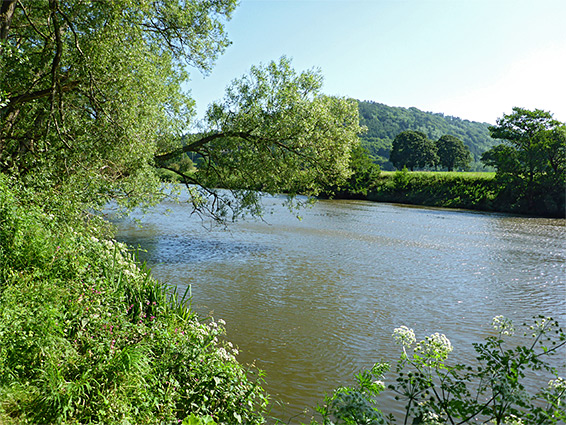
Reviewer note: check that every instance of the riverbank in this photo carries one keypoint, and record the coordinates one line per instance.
(89, 336)
(473, 191)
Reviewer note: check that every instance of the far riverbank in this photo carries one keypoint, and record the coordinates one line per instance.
(473, 191)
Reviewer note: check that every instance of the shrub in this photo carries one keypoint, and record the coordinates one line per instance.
(88, 336)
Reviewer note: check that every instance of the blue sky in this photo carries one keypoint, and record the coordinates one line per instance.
(474, 59)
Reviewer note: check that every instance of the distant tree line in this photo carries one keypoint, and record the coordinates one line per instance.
(412, 149)
(384, 123)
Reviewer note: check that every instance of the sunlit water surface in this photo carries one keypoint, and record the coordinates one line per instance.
(316, 300)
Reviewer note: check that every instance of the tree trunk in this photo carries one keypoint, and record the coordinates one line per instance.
(6, 14)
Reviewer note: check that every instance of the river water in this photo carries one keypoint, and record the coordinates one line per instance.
(313, 301)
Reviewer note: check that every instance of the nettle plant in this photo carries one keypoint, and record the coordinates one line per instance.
(497, 388)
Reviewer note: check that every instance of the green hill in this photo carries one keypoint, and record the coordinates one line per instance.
(385, 122)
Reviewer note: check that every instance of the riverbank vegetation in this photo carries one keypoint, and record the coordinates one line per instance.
(530, 175)
(91, 107)
(88, 336)
(432, 390)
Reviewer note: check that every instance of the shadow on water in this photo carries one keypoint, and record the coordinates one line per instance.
(175, 249)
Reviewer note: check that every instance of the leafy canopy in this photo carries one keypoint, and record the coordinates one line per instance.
(90, 90)
(412, 149)
(273, 131)
(452, 153)
(532, 158)
(91, 103)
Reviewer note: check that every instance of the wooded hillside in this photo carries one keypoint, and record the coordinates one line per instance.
(385, 122)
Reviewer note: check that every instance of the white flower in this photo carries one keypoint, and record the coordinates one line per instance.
(404, 336)
(557, 384)
(380, 385)
(436, 346)
(503, 325)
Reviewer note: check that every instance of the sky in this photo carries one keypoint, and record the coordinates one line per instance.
(473, 59)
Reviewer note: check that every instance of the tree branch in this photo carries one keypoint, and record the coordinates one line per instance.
(193, 147)
(38, 94)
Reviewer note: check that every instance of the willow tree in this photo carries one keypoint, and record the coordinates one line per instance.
(273, 131)
(91, 101)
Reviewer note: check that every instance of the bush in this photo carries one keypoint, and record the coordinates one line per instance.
(88, 336)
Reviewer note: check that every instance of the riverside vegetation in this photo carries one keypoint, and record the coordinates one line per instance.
(91, 106)
(88, 336)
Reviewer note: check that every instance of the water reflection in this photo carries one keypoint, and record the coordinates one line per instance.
(313, 301)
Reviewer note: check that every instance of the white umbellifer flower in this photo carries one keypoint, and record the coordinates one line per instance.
(222, 322)
(503, 325)
(513, 420)
(404, 336)
(437, 346)
(380, 384)
(557, 384)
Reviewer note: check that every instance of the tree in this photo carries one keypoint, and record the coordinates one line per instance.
(530, 162)
(412, 149)
(452, 153)
(364, 174)
(90, 90)
(92, 104)
(273, 131)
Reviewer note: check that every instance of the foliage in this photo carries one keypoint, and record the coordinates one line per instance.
(412, 149)
(478, 191)
(355, 405)
(364, 173)
(494, 389)
(92, 103)
(86, 336)
(452, 153)
(92, 89)
(273, 131)
(385, 122)
(531, 163)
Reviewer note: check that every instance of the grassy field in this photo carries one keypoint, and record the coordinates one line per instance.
(447, 174)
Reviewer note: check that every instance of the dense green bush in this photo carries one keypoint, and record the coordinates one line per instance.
(87, 336)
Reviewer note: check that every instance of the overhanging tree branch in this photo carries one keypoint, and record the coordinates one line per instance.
(193, 147)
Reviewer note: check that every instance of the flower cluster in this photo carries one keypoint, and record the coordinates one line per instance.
(503, 325)
(436, 346)
(558, 384)
(404, 336)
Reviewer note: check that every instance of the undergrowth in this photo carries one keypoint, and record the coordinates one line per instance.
(88, 336)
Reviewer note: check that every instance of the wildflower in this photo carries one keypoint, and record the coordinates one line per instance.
(404, 336)
(557, 384)
(436, 346)
(379, 384)
(503, 325)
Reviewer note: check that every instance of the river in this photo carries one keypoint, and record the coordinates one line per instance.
(313, 301)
